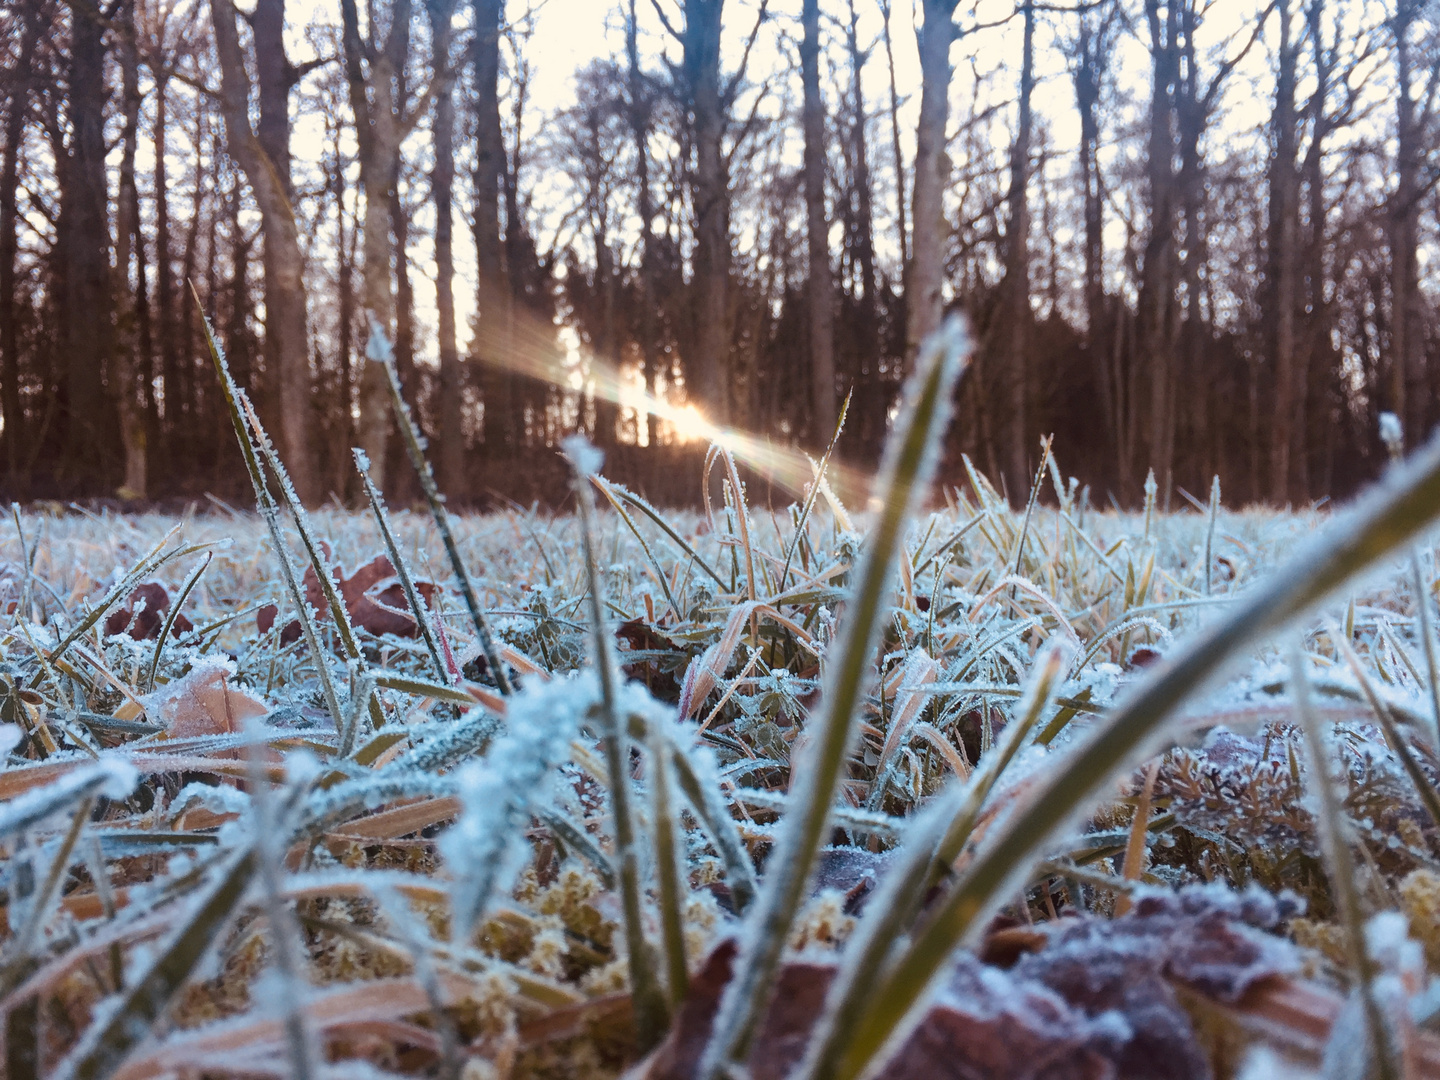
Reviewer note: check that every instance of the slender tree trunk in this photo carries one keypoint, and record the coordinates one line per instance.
(924, 303)
(86, 333)
(442, 184)
(1407, 357)
(707, 371)
(379, 130)
(126, 361)
(1157, 315)
(492, 291)
(1016, 330)
(284, 261)
(638, 117)
(1284, 257)
(16, 112)
(165, 275)
(821, 292)
(868, 420)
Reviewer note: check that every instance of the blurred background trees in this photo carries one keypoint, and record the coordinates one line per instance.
(1188, 236)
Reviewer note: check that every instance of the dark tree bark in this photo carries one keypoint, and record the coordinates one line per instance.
(1018, 318)
(373, 68)
(16, 111)
(821, 290)
(284, 261)
(87, 330)
(707, 368)
(125, 364)
(637, 116)
(442, 184)
(1284, 261)
(924, 302)
(492, 288)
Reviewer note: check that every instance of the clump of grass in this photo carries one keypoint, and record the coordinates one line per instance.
(669, 730)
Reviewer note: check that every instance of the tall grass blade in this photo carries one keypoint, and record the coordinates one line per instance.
(402, 571)
(378, 351)
(1340, 865)
(911, 456)
(268, 511)
(650, 1007)
(1403, 504)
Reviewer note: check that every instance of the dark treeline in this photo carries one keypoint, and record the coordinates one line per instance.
(1232, 270)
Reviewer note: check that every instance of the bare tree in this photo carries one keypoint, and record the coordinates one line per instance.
(16, 109)
(285, 322)
(821, 291)
(375, 70)
(442, 182)
(932, 173)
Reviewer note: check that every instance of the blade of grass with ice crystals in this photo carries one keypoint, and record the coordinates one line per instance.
(812, 495)
(1393, 736)
(111, 776)
(137, 573)
(654, 515)
(911, 455)
(1340, 864)
(172, 615)
(378, 351)
(615, 501)
(325, 575)
(407, 583)
(668, 872)
(18, 959)
(1210, 531)
(1403, 504)
(1427, 637)
(940, 835)
(650, 1006)
(266, 505)
(132, 1017)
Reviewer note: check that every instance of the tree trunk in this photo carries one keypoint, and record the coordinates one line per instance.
(638, 117)
(821, 292)
(1157, 316)
(492, 291)
(866, 422)
(1407, 357)
(165, 277)
(442, 184)
(1284, 258)
(85, 331)
(924, 301)
(284, 262)
(379, 130)
(15, 117)
(126, 361)
(707, 371)
(1018, 319)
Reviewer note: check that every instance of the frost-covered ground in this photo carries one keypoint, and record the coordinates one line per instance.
(229, 854)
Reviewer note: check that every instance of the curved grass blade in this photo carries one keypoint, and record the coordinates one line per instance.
(910, 459)
(173, 614)
(1403, 504)
(650, 1006)
(378, 351)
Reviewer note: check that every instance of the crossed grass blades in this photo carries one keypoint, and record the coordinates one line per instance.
(513, 812)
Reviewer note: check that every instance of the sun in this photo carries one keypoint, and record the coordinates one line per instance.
(691, 425)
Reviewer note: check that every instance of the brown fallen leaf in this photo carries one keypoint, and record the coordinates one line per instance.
(377, 612)
(144, 625)
(204, 703)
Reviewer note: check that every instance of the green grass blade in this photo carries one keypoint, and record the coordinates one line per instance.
(650, 1007)
(910, 458)
(378, 351)
(1387, 519)
(407, 583)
